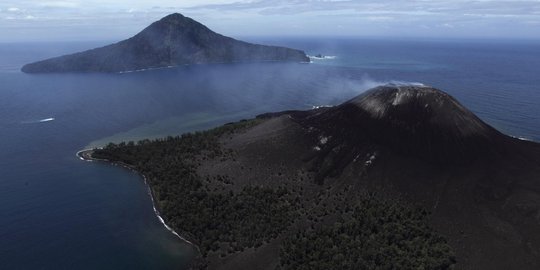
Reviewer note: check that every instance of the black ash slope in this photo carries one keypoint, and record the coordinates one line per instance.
(411, 120)
(174, 40)
(411, 145)
(418, 142)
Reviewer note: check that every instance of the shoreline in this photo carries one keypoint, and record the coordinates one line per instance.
(216, 63)
(86, 155)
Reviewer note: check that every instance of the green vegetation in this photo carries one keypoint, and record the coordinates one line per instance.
(370, 234)
(183, 41)
(214, 220)
(373, 235)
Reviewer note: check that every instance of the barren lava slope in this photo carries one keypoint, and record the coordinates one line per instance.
(350, 186)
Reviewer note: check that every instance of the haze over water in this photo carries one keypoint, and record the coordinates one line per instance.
(57, 212)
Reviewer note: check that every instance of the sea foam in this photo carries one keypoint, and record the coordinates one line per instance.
(38, 121)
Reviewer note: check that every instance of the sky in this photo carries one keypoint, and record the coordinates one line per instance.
(76, 20)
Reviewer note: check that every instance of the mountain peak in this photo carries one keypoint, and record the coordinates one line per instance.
(172, 41)
(176, 19)
(418, 105)
(416, 120)
(173, 17)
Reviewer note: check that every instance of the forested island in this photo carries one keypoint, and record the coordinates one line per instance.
(415, 182)
(223, 219)
(172, 41)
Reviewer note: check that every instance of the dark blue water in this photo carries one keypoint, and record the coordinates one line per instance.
(57, 212)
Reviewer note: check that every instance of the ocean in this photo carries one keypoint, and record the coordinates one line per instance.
(58, 212)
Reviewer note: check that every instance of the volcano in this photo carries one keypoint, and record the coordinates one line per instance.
(419, 142)
(416, 121)
(172, 41)
(410, 144)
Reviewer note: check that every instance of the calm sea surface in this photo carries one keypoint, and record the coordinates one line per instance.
(57, 212)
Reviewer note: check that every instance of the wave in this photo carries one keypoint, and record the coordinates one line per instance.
(521, 138)
(322, 57)
(145, 69)
(313, 107)
(156, 212)
(39, 121)
(80, 155)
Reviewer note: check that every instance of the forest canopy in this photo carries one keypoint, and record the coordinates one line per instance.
(370, 234)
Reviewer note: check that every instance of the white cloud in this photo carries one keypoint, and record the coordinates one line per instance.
(379, 18)
(59, 4)
(122, 18)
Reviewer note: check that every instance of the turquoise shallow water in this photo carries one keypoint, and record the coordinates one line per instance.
(57, 212)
